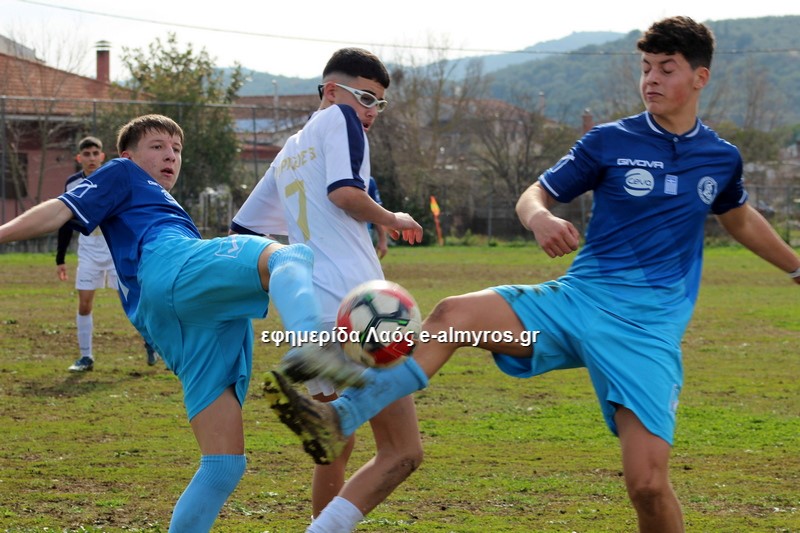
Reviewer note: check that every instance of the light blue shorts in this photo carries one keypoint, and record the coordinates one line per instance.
(630, 362)
(197, 301)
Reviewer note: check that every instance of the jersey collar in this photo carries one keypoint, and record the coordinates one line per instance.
(658, 129)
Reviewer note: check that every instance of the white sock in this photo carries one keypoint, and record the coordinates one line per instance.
(85, 329)
(339, 516)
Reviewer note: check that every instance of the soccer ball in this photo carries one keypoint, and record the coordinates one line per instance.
(378, 322)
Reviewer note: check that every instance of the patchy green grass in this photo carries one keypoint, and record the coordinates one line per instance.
(111, 450)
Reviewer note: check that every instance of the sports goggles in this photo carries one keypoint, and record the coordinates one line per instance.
(364, 98)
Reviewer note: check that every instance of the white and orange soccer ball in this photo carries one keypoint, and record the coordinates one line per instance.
(380, 321)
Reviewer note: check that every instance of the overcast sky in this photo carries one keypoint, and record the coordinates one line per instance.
(295, 38)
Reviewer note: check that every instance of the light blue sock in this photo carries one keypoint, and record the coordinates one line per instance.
(384, 385)
(291, 288)
(200, 503)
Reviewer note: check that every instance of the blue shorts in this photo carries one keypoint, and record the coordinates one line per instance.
(631, 363)
(197, 301)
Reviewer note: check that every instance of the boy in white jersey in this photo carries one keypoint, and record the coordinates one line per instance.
(317, 186)
(193, 299)
(95, 265)
(622, 308)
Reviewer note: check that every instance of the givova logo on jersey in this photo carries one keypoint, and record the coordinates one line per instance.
(639, 182)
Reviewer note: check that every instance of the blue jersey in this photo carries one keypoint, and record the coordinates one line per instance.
(652, 192)
(132, 209)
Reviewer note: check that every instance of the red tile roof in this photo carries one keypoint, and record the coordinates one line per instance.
(22, 78)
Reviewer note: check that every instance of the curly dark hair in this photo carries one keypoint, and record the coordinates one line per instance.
(680, 35)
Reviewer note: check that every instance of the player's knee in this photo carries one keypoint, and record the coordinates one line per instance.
(404, 464)
(410, 460)
(413, 458)
(442, 310)
(404, 459)
(454, 311)
(647, 492)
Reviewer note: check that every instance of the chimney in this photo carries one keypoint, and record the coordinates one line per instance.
(587, 120)
(103, 61)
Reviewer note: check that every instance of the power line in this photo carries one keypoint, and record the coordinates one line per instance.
(383, 45)
(256, 34)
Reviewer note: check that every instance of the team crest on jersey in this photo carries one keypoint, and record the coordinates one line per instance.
(707, 189)
(229, 246)
(639, 182)
(82, 188)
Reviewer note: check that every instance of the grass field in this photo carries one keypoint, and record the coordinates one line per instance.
(111, 450)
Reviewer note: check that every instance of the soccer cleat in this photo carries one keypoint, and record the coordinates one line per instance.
(152, 356)
(316, 423)
(84, 364)
(329, 362)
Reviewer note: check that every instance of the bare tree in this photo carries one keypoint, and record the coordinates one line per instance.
(420, 145)
(513, 146)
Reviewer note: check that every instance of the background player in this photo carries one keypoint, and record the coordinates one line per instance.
(95, 265)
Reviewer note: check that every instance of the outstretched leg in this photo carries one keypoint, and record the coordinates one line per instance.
(321, 429)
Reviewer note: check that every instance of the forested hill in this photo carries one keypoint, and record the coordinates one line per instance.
(755, 79)
(755, 76)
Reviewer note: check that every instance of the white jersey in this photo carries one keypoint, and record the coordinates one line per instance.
(331, 151)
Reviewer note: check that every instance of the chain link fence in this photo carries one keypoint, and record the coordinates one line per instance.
(37, 149)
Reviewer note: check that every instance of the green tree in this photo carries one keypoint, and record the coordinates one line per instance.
(184, 84)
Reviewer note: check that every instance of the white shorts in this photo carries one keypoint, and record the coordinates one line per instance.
(90, 276)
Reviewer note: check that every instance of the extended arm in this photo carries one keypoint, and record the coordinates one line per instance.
(556, 236)
(748, 227)
(360, 206)
(39, 220)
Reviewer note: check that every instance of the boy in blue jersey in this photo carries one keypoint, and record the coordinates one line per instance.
(624, 304)
(191, 299)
